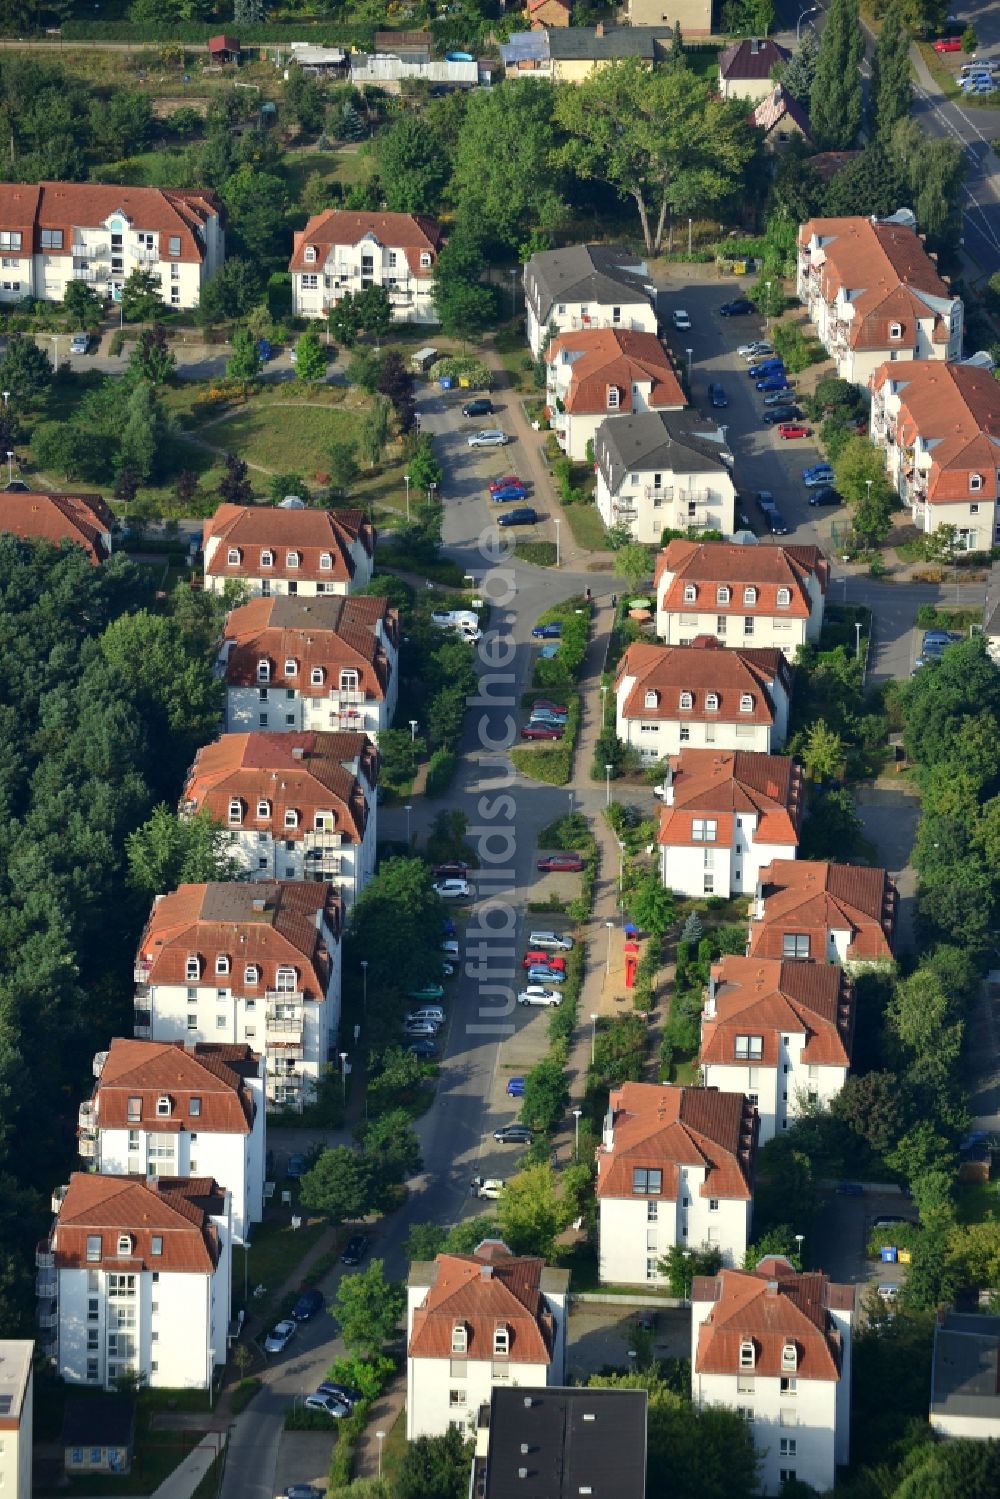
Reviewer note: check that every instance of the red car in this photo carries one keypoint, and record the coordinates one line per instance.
(561, 863)
(948, 44)
(534, 959)
(505, 482)
(454, 870)
(792, 429)
(539, 731)
(545, 702)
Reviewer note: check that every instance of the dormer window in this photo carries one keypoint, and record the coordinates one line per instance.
(291, 667)
(784, 598)
(221, 963)
(325, 562)
(163, 1107)
(233, 557)
(285, 980)
(651, 699)
(687, 702)
(789, 1358)
(93, 1247)
(895, 330)
(267, 559)
(425, 258)
(125, 1244)
(134, 1110)
(975, 481)
(613, 398)
(460, 1338)
(292, 559)
(192, 969)
(722, 595)
(501, 1340)
(750, 595)
(263, 811)
(746, 702)
(316, 676)
(690, 593)
(291, 818)
(712, 702)
(235, 810)
(310, 255)
(748, 1357)
(324, 822)
(263, 670)
(251, 975)
(194, 1108)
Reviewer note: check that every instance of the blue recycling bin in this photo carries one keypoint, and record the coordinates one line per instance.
(889, 1254)
(447, 382)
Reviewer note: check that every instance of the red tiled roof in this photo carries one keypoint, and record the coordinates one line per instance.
(660, 1125)
(329, 632)
(771, 1307)
(710, 565)
(413, 233)
(703, 667)
(168, 1208)
(767, 997)
(828, 163)
(481, 1292)
(149, 1070)
(815, 899)
(955, 407)
(83, 518)
(780, 108)
(291, 772)
(722, 783)
(752, 58)
(87, 205)
(310, 534)
(616, 357)
(269, 925)
(223, 44)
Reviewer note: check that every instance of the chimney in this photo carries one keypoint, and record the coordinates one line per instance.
(486, 1272)
(298, 752)
(754, 46)
(259, 903)
(772, 1288)
(599, 29)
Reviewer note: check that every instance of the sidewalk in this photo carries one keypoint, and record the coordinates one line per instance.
(188, 1475)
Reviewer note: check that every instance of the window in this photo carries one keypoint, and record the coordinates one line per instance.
(789, 1417)
(11, 286)
(749, 1048)
(686, 702)
(975, 481)
(746, 702)
(748, 624)
(789, 1358)
(425, 258)
(613, 397)
(973, 509)
(220, 1022)
(263, 811)
(786, 1475)
(684, 735)
(722, 595)
(291, 818)
(233, 556)
(10, 239)
(292, 559)
(795, 945)
(713, 1204)
(291, 667)
(895, 330)
(267, 559)
(134, 1110)
(310, 255)
(163, 1107)
(456, 1397)
(459, 1338)
(221, 963)
(652, 1211)
(93, 1247)
(174, 244)
(651, 1267)
(501, 1340)
(263, 670)
(651, 700)
(52, 239)
(750, 595)
(156, 1244)
(285, 981)
(690, 593)
(746, 1384)
(748, 1357)
(789, 1385)
(712, 702)
(235, 810)
(194, 1109)
(192, 969)
(316, 676)
(251, 974)
(787, 1446)
(647, 1179)
(784, 598)
(704, 829)
(192, 1022)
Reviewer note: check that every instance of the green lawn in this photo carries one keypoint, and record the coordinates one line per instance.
(275, 1251)
(157, 1453)
(284, 439)
(347, 166)
(587, 527)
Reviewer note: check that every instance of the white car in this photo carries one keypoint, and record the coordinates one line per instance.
(454, 619)
(554, 941)
(753, 351)
(279, 1337)
(489, 438)
(487, 1186)
(681, 319)
(453, 889)
(450, 946)
(537, 994)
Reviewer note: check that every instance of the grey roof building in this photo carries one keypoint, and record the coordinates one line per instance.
(608, 277)
(965, 1376)
(664, 469)
(675, 441)
(584, 43)
(559, 1443)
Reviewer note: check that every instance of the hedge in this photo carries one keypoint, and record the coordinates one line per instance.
(441, 769)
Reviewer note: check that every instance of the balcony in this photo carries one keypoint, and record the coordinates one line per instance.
(347, 697)
(87, 1115)
(142, 1032)
(48, 1315)
(281, 1054)
(46, 1285)
(146, 257)
(141, 972)
(659, 494)
(45, 1258)
(87, 1146)
(57, 1198)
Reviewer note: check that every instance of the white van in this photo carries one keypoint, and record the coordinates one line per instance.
(970, 69)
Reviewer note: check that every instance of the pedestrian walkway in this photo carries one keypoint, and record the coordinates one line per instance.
(384, 1414)
(186, 1477)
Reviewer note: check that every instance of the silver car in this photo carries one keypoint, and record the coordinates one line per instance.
(551, 940)
(489, 438)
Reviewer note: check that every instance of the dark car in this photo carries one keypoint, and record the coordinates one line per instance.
(826, 495)
(304, 1491)
(264, 349)
(549, 631)
(776, 523)
(782, 414)
(343, 1392)
(567, 863)
(513, 1134)
(422, 1048)
(717, 395)
(738, 307)
(761, 367)
(296, 1167)
(454, 870)
(522, 516)
(308, 1304)
(541, 731)
(481, 406)
(773, 382)
(17, 486)
(354, 1252)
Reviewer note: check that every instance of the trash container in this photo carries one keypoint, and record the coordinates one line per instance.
(889, 1255)
(446, 382)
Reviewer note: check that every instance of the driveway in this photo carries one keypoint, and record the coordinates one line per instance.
(843, 1226)
(889, 815)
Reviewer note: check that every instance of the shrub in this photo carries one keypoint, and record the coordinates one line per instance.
(117, 343)
(441, 771)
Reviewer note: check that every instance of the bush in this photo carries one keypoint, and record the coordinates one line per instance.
(441, 771)
(117, 343)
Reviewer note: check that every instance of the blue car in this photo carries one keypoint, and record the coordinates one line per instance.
(515, 1087)
(522, 516)
(817, 473)
(774, 382)
(264, 349)
(766, 367)
(550, 631)
(509, 492)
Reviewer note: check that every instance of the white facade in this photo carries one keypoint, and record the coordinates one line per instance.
(574, 429)
(317, 855)
(658, 738)
(782, 1093)
(17, 1385)
(783, 630)
(634, 312)
(729, 868)
(649, 501)
(577, 287)
(303, 586)
(338, 269)
(286, 709)
(634, 1233)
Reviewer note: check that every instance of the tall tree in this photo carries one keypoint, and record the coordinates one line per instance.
(435, 1467)
(152, 359)
(835, 103)
(341, 1184)
(25, 369)
(244, 361)
(257, 201)
(800, 70)
(413, 165)
(141, 296)
(506, 179)
(310, 358)
(169, 850)
(234, 486)
(369, 1308)
(465, 303)
(890, 94)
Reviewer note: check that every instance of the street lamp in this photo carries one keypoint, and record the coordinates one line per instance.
(607, 967)
(576, 1137)
(10, 468)
(593, 1037)
(767, 307)
(857, 639)
(413, 730)
(408, 809)
(406, 481)
(432, 486)
(607, 784)
(571, 804)
(343, 1073)
(381, 1438)
(690, 355)
(6, 398)
(811, 11)
(558, 523)
(689, 236)
(798, 1247)
(513, 291)
(55, 337)
(364, 981)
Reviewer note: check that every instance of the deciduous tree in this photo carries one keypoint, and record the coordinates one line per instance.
(82, 303)
(244, 361)
(413, 165)
(25, 370)
(310, 358)
(152, 359)
(368, 1308)
(506, 178)
(435, 1467)
(234, 289)
(341, 1184)
(168, 850)
(141, 297)
(532, 1212)
(234, 486)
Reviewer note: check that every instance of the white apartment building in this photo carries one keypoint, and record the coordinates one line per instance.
(779, 1032)
(246, 964)
(340, 252)
(586, 286)
(294, 806)
(703, 696)
(279, 549)
(52, 233)
(599, 374)
(725, 815)
(874, 294)
(17, 1396)
(311, 665)
(476, 1322)
(166, 1109)
(775, 1345)
(664, 468)
(675, 1166)
(743, 595)
(135, 1279)
(828, 913)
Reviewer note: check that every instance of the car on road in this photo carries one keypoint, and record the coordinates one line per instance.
(480, 406)
(342, 1392)
(545, 702)
(761, 367)
(513, 1134)
(817, 473)
(541, 973)
(539, 994)
(515, 1087)
(566, 863)
(537, 955)
(429, 991)
(756, 350)
(487, 1186)
(550, 630)
(778, 398)
(717, 396)
(450, 946)
(279, 1337)
(489, 437)
(308, 1304)
(765, 499)
(738, 307)
(329, 1404)
(453, 869)
(782, 413)
(826, 495)
(414, 1030)
(542, 731)
(948, 44)
(79, 343)
(522, 516)
(776, 523)
(356, 1249)
(788, 431)
(424, 1048)
(303, 1491)
(850, 1189)
(681, 319)
(452, 889)
(297, 1166)
(557, 941)
(508, 493)
(773, 383)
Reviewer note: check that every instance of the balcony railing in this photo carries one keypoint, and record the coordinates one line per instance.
(46, 1285)
(87, 1115)
(87, 1145)
(57, 1198)
(347, 697)
(48, 1315)
(45, 1258)
(141, 972)
(664, 492)
(282, 1052)
(142, 1032)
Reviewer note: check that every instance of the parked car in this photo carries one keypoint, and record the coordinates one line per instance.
(948, 44)
(448, 619)
(513, 1134)
(817, 473)
(538, 955)
(515, 1087)
(79, 343)
(522, 516)
(355, 1249)
(717, 396)
(776, 523)
(504, 480)
(429, 991)
(279, 1337)
(296, 1167)
(541, 973)
(567, 863)
(487, 1186)
(765, 499)
(542, 731)
(681, 319)
(934, 645)
(538, 994)
(452, 889)
(18, 486)
(788, 431)
(554, 720)
(344, 1392)
(308, 1304)
(755, 350)
(329, 1404)
(545, 702)
(979, 84)
(303, 1491)
(479, 406)
(450, 946)
(825, 494)
(738, 307)
(416, 1030)
(782, 413)
(557, 941)
(264, 350)
(764, 364)
(489, 437)
(551, 630)
(454, 869)
(773, 383)
(424, 1048)
(778, 397)
(433, 1013)
(508, 493)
